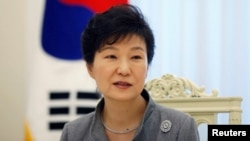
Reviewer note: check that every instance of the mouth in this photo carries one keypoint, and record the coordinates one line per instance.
(122, 84)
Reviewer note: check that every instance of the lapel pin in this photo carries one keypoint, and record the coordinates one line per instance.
(166, 126)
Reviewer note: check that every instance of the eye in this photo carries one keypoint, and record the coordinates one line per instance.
(136, 57)
(110, 57)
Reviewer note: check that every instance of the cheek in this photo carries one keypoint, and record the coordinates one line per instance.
(142, 72)
(100, 70)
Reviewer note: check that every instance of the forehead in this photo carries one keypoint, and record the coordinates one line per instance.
(123, 39)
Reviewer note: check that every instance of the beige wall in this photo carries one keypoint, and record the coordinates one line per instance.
(12, 68)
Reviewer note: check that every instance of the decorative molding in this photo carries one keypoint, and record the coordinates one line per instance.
(170, 86)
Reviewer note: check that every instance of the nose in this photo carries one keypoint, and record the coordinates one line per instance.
(124, 68)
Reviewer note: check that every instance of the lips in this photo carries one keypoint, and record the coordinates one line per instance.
(122, 84)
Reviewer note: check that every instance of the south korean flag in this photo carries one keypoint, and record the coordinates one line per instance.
(59, 87)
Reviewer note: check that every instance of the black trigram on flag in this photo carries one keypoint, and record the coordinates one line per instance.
(65, 106)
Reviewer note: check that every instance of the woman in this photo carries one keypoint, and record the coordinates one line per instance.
(118, 47)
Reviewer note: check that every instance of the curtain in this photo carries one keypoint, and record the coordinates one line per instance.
(207, 41)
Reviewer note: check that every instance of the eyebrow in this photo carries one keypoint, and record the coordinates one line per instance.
(138, 48)
(107, 48)
(113, 48)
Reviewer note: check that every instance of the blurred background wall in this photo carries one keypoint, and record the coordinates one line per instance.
(12, 68)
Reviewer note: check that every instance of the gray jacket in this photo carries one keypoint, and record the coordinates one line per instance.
(159, 124)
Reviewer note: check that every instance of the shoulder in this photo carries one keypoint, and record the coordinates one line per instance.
(76, 129)
(182, 125)
(160, 112)
(82, 121)
(165, 122)
(175, 116)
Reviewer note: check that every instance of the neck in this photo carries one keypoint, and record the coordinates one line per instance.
(123, 115)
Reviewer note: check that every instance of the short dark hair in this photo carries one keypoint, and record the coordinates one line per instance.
(115, 23)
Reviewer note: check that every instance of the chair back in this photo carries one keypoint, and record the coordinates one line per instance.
(184, 95)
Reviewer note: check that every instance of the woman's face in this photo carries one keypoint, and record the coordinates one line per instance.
(120, 69)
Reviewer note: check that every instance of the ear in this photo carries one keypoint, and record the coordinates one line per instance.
(90, 70)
